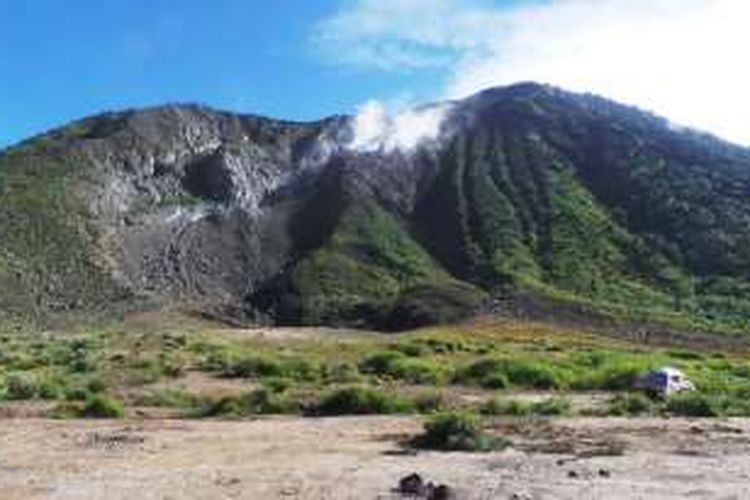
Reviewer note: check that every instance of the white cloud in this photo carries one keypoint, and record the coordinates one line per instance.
(681, 58)
(401, 34)
(375, 129)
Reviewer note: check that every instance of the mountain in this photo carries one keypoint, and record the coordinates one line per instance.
(527, 196)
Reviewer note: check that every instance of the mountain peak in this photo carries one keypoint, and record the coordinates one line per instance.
(519, 191)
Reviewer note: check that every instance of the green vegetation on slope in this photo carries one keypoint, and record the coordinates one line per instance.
(48, 249)
(371, 272)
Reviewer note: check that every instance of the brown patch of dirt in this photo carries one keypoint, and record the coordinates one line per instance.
(360, 458)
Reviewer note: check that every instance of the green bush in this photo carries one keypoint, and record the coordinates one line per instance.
(254, 366)
(170, 398)
(341, 373)
(693, 404)
(457, 431)
(102, 406)
(551, 407)
(277, 385)
(447, 346)
(66, 409)
(496, 373)
(411, 349)
(21, 386)
(512, 407)
(418, 371)
(361, 401)
(615, 374)
(628, 403)
(429, 402)
(257, 402)
(380, 363)
(264, 366)
(96, 384)
(50, 388)
(547, 407)
(396, 365)
(495, 381)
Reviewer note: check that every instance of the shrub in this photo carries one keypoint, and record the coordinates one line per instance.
(429, 402)
(398, 366)
(341, 373)
(504, 372)
(630, 404)
(96, 384)
(170, 398)
(621, 376)
(551, 407)
(411, 349)
(495, 381)
(457, 431)
(66, 410)
(102, 406)
(498, 407)
(380, 363)
(253, 366)
(516, 408)
(614, 375)
(693, 404)
(264, 366)
(78, 387)
(445, 346)
(257, 402)
(147, 371)
(417, 371)
(50, 388)
(21, 386)
(277, 384)
(361, 401)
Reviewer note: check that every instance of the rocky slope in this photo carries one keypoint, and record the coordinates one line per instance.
(526, 191)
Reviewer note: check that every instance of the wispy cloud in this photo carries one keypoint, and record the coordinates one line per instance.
(681, 58)
(403, 34)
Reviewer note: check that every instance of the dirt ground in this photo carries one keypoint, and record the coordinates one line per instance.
(362, 458)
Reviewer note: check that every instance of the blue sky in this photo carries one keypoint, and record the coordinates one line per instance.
(61, 60)
(305, 59)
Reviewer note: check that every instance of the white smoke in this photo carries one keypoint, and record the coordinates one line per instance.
(375, 129)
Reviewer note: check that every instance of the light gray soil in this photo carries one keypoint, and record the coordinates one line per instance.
(361, 458)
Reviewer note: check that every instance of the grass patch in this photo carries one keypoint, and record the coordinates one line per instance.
(555, 406)
(361, 401)
(170, 398)
(457, 431)
(399, 366)
(631, 404)
(96, 406)
(102, 406)
(257, 402)
(230, 364)
(499, 373)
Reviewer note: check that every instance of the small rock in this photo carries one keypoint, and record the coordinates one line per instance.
(520, 496)
(604, 473)
(441, 492)
(572, 474)
(412, 485)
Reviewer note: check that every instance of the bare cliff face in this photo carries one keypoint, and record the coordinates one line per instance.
(376, 220)
(183, 198)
